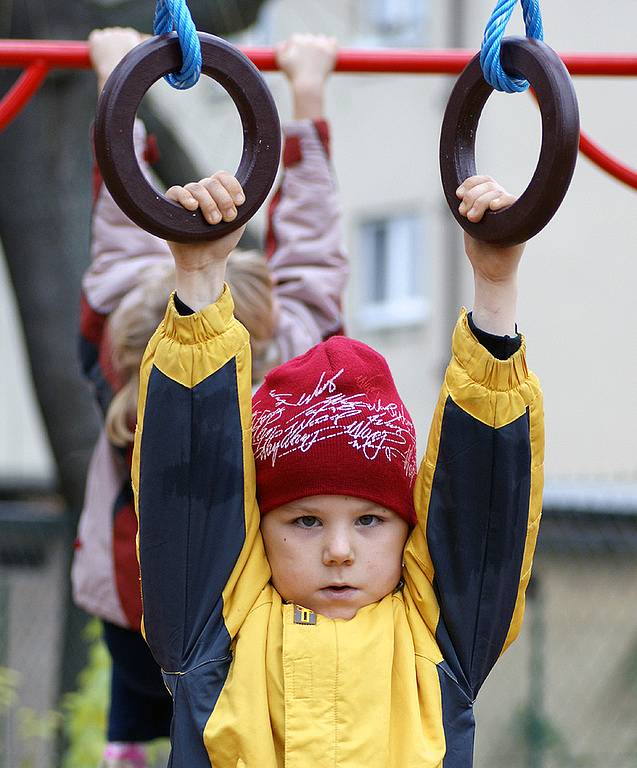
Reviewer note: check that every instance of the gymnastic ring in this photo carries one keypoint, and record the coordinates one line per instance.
(115, 152)
(543, 68)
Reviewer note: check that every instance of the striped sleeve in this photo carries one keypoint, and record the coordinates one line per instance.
(200, 549)
(478, 499)
(121, 252)
(304, 243)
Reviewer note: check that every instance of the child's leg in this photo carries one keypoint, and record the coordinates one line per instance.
(140, 708)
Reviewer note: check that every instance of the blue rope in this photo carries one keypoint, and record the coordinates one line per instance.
(492, 69)
(174, 14)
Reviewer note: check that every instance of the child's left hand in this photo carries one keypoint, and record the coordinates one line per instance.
(307, 59)
(495, 264)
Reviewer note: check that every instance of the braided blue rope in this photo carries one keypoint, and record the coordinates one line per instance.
(494, 74)
(174, 14)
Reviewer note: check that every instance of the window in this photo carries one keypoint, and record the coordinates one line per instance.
(393, 272)
(394, 22)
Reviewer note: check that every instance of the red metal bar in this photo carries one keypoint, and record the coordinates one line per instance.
(59, 54)
(41, 55)
(74, 54)
(21, 92)
(607, 162)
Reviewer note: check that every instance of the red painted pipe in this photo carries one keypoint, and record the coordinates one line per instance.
(64, 54)
(21, 91)
(73, 54)
(606, 161)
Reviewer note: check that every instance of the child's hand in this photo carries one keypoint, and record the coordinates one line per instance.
(480, 194)
(307, 61)
(307, 58)
(200, 267)
(107, 47)
(217, 197)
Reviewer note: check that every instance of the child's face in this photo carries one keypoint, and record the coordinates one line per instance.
(334, 554)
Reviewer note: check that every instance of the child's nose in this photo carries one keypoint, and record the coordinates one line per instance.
(338, 550)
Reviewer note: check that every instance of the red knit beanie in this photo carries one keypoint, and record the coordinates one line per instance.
(331, 422)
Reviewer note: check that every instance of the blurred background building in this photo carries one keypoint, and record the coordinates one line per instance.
(566, 693)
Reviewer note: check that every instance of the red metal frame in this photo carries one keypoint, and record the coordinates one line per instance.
(39, 56)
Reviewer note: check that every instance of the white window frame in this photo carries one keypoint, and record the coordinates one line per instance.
(404, 301)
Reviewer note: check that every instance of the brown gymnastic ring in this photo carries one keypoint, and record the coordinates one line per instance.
(543, 68)
(114, 148)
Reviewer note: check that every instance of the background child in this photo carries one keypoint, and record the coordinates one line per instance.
(290, 300)
(310, 600)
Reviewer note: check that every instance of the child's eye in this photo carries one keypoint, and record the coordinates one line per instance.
(368, 520)
(307, 521)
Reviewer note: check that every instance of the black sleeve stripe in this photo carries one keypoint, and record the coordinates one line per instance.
(476, 532)
(192, 524)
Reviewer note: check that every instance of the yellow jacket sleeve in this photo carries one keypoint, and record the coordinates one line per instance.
(478, 497)
(200, 549)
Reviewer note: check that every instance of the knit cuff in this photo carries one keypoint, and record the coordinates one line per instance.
(501, 347)
(481, 366)
(201, 326)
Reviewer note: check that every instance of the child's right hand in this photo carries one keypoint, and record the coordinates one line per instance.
(107, 47)
(200, 267)
(495, 268)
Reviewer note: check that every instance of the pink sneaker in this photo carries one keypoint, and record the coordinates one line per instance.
(117, 755)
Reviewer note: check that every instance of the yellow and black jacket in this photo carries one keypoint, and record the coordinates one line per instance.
(261, 684)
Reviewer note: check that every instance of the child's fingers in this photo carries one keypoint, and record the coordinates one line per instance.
(216, 197)
(232, 186)
(473, 181)
(505, 200)
(182, 196)
(470, 196)
(205, 200)
(482, 204)
(281, 49)
(220, 196)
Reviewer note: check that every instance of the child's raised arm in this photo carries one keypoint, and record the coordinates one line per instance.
(478, 494)
(122, 254)
(495, 269)
(201, 556)
(307, 61)
(200, 268)
(304, 243)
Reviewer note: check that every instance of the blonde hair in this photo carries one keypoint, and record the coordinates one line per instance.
(139, 313)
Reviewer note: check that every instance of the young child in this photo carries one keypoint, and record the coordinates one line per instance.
(312, 599)
(289, 300)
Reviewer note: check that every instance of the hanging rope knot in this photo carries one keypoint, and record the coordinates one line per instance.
(174, 15)
(490, 62)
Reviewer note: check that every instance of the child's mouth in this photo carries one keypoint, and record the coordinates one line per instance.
(339, 590)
